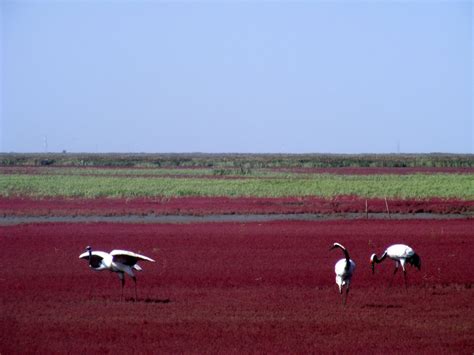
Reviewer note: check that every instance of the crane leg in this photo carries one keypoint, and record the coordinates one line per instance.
(347, 294)
(91, 289)
(405, 277)
(135, 281)
(122, 282)
(393, 276)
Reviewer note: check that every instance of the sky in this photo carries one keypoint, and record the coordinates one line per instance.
(236, 76)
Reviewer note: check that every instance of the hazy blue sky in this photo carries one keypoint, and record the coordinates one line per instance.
(230, 76)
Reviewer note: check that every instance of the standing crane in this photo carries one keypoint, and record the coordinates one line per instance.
(344, 269)
(120, 261)
(401, 254)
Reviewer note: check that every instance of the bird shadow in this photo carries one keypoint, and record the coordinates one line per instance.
(149, 300)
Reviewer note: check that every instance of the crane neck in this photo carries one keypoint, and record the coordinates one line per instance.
(348, 260)
(377, 260)
(346, 254)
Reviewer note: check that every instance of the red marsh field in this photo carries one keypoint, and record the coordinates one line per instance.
(201, 206)
(237, 287)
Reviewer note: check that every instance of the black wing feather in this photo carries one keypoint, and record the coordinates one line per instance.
(125, 259)
(95, 260)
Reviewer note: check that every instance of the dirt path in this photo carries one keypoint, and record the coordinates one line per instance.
(13, 220)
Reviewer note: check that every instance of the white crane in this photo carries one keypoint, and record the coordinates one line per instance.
(401, 254)
(120, 261)
(344, 269)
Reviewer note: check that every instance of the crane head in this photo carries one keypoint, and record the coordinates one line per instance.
(372, 263)
(88, 248)
(337, 245)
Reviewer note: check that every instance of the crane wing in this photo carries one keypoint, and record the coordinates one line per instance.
(96, 257)
(127, 257)
(400, 250)
(409, 252)
(84, 255)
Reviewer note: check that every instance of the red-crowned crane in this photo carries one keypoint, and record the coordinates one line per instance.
(401, 254)
(344, 269)
(120, 261)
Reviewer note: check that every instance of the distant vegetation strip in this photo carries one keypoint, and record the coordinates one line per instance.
(145, 171)
(224, 172)
(399, 186)
(240, 161)
(43, 170)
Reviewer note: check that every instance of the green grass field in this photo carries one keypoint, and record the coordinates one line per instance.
(413, 186)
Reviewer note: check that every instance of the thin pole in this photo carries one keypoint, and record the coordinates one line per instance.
(386, 205)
